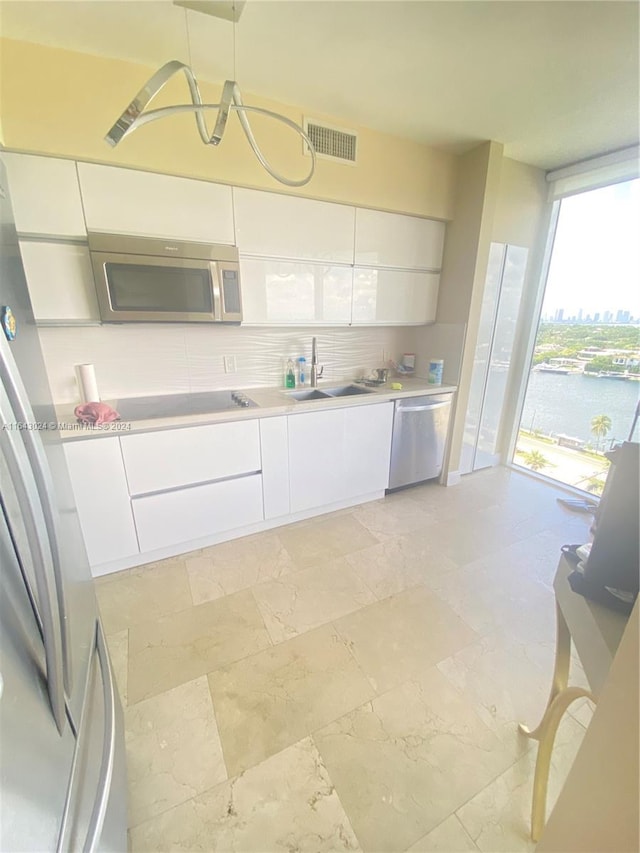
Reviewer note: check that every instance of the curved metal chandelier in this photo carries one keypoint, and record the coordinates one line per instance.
(135, 117)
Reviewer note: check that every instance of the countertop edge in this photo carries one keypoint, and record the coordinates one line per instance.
(274, 404)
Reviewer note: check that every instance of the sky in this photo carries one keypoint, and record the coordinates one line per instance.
(595, 263)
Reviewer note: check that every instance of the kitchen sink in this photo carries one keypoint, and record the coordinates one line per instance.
(327, 393)
(312, 394)
(347, 391)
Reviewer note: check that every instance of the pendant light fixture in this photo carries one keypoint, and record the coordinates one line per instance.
(135, 115)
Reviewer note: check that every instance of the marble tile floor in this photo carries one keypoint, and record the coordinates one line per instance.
(352, 682)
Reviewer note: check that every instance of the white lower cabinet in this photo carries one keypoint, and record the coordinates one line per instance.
(275, 466)
(102, 498)
(183, 515)
(339, 454)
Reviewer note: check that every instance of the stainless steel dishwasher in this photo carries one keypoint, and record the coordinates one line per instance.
(420, 427)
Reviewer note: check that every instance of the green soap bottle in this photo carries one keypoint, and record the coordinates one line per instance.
(290, 376)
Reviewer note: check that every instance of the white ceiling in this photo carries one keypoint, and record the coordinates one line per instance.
(554, 81)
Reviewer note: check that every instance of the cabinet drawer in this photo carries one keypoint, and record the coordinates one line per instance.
(174, 458)
(187, 514)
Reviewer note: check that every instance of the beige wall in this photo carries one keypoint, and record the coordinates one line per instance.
(520, 206)
(62, 103)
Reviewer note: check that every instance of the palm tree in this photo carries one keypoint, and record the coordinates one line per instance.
(600, 426)
(535, 460)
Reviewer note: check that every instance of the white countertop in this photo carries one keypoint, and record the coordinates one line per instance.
(270, 403)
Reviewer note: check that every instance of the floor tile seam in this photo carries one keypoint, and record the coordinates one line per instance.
(237, 776)
(450, 815)
(488, 785)
(345, 642)
(156, 618)
(335, 789)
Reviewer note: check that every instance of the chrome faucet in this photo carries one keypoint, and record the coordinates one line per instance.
(315, 374)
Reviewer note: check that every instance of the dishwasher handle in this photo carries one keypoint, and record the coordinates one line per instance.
(400, 410)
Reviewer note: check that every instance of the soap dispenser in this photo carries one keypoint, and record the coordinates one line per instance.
(302, 371)
(290, 375)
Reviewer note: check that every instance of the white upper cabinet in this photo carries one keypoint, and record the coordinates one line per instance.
(127, 201)
(384, 297)
(394, 240)
(280, 226)
(45, 195)
(284, 293)
(60, 281)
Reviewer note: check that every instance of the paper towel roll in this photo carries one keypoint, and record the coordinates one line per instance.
(87, 385)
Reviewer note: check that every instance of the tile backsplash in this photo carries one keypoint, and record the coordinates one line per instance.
(139, 359)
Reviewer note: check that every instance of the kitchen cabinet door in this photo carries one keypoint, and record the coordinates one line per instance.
(127, 201)
(395, 240)
(367, 448)
(60, 280)
(394, 297)
(185, 515)
(279, 226)
(339, 454)
(275, 466)
(45, 195)
(316, 455)
(102, 497)
(284, 293)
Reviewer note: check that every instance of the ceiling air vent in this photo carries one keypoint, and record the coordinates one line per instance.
(331, 143)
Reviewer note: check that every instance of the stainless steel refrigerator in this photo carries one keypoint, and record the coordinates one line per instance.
(62, 762)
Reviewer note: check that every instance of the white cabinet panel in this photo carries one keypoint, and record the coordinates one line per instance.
(45, 195)
(275, 466)
(387, 297)
(283, 226)
(394, 240)
(367, 448)
(316, 440)
(187, 514)
(100, 489)
(287, 293)
(339, 454)
(60, 281)
(127, 201)
(179, 457)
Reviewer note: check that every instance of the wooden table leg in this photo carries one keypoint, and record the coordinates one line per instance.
(560, 697)
(560, 672)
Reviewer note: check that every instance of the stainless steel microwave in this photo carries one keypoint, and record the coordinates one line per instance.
(144, 279)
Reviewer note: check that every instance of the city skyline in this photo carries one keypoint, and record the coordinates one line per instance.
(619, 316)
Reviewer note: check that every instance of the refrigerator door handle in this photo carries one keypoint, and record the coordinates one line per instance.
(19, 401)
(35, 525)
(108, 747)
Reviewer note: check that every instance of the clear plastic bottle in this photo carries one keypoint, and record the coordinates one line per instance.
(302, 371)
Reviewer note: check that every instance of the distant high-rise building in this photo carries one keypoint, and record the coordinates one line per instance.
(579, 317)
(619, 314)
(559, 315)
(607, 317)
(596, 317)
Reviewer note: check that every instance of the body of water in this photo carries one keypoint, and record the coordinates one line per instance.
(566, 404)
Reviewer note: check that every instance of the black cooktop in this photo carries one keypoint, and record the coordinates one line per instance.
(176, 405)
